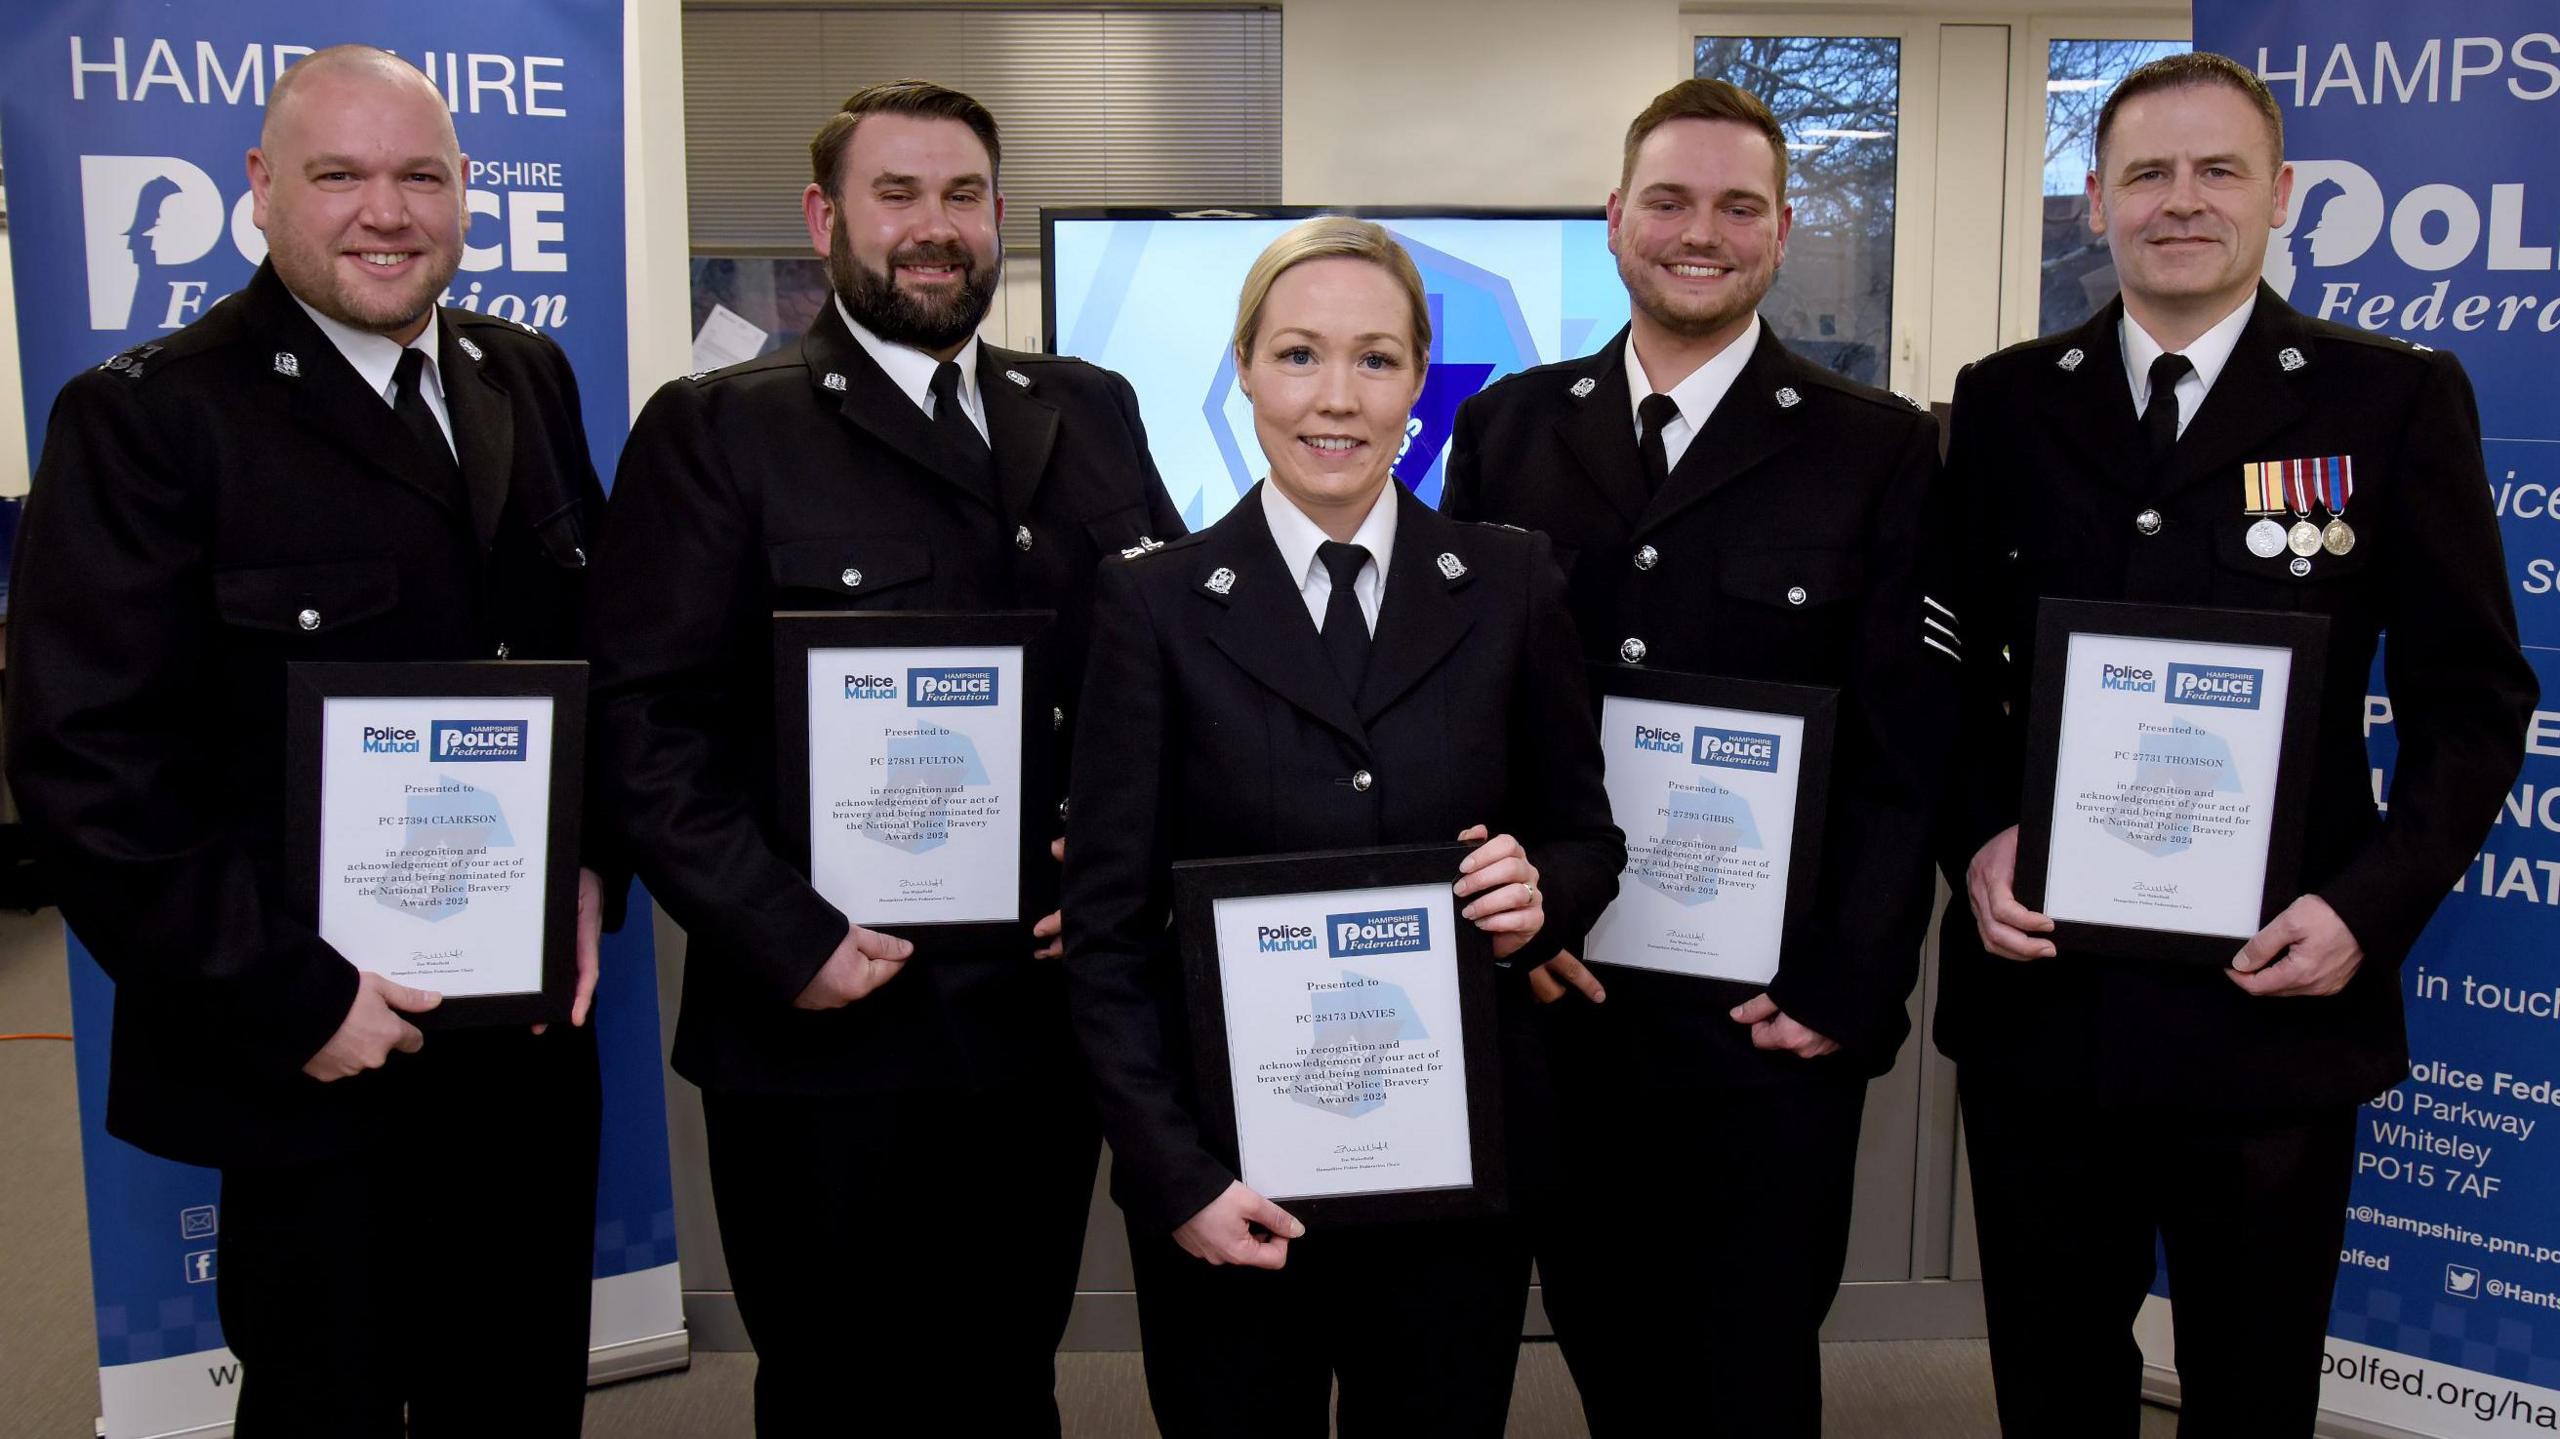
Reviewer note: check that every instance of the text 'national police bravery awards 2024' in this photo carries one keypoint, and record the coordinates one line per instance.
(2426, 204)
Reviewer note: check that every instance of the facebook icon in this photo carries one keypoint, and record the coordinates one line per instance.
(200, 1267)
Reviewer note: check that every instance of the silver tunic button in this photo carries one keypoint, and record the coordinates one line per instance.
(1648, 557)
(502, 649)
(308, 619)
(1795, 594)
(2148, 522)
(1062, 810)
(1361, 780)
(852, 578)
(1632, 652)
(1057, 718)
(1022, 537)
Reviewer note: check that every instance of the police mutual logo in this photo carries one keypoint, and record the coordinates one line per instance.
(1658, 741)
(948, 688)
(2214, 686)
(390, 739)
(1734, 749)
(870, 687)
(479, 741)
(2130, 679)
(1378, 931)
(1284, 938)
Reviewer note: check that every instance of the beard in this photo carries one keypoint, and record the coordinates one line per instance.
(923, 323)
(1645, 290)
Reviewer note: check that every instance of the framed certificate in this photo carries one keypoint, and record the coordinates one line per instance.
(431, 820)
(1342, 1022)
(1721, 786)
(2168, 775)
(915, 758)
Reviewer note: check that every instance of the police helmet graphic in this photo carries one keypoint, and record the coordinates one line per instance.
(2335, 217)
(142, 216)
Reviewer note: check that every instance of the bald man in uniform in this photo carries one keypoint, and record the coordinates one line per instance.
(327, 466)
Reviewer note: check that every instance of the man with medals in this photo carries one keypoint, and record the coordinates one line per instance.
(1723, 506)
(2111, 1104)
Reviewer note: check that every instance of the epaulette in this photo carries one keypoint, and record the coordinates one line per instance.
(132, 363)
(1149, 548)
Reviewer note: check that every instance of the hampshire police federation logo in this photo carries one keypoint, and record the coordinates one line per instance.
(951, 688)
(2214, 686)
(478, 741)
(1734, 749)
(1377, 931)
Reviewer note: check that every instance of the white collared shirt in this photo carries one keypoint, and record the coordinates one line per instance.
(376, 359)
(911, 369)
(1697, 396)
(2210, 352)
(1297, 536)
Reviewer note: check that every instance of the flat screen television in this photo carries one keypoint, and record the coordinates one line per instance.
(1152, 294)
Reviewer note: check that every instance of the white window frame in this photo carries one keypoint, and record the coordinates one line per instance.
(2030, 68)
(1914, 149)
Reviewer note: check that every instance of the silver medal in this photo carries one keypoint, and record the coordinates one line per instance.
(2266, 539)
(2303, 538)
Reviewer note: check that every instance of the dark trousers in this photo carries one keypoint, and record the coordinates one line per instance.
(1420, 1323)
(444, 1272)
(2072, 1205)
(1693, 1249)
(904, 1263)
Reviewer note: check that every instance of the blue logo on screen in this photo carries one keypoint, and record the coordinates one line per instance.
(870, 687)
(2214, 686)
(1379, 931)
(1734, 749)
(2132, 679)
(390, 739)
(1659, 741)
(933, 689)
(479, 741)
(1283, 938)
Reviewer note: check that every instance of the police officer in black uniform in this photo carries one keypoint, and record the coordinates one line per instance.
(325, 467)
(2106, 1101)
(1331, 665)
(903, 1155)
(1726, 507)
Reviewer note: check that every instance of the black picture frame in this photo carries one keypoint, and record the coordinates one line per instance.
(1816, 707)
(2304, 636)
(310, 685)
(1199, 884)
(797, 632)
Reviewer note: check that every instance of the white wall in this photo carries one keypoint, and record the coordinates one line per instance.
(13, 410)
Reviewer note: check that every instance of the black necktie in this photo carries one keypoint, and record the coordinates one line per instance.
(951, 421)
(2160, 418)
(1656, 412)
(409, 402)
(1346, 630)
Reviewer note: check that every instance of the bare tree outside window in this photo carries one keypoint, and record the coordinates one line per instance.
(1838, 101)
(2078, 277)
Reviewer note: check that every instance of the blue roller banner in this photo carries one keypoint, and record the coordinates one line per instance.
(2426, 204)
(125, 123)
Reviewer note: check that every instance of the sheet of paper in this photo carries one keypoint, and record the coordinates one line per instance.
(726, 338)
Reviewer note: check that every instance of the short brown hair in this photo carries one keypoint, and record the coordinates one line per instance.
(897, 97)
(2179, 72)
(1332, 237)
(1706, 100)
